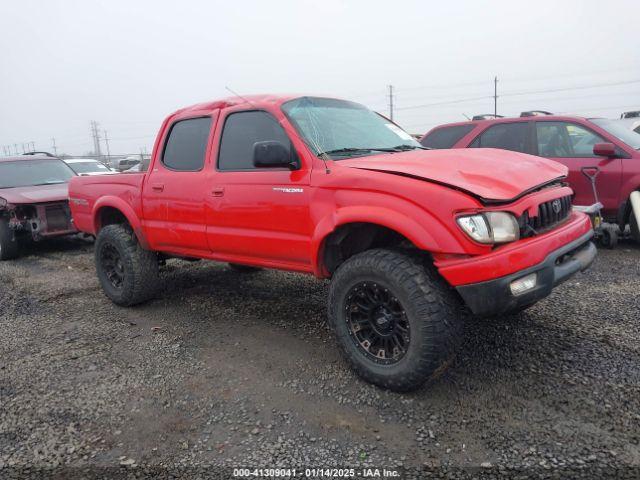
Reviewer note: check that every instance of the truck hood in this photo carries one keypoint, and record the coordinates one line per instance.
(36, 194)
(492, 175)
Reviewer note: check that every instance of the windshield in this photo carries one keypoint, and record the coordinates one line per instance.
(620, 130)
(344, 129)
(24, 173)
(88, 167)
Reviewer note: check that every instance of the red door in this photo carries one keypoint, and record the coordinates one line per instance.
(175, 189)
(572, 144)
(258, 215)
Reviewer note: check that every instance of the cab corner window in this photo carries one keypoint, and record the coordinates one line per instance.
(242, 130)
(187, 144)
(507, 136)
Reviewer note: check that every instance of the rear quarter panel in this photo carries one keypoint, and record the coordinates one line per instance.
(87, 195)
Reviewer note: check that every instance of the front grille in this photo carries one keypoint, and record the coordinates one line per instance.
(57, 218)
(549, 215)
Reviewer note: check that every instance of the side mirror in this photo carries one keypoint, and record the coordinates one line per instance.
(604, 149)
(272, 154)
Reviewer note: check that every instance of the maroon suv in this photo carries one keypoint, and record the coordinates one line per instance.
(576, 142)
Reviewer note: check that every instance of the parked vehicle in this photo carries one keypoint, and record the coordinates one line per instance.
(328, 187)
(121, 164)
(632, 123)
(33, 201)
(576, 142)
(631, 114)
(88, 166)
(142, 166)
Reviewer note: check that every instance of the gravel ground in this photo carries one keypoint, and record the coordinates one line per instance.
(230, 370)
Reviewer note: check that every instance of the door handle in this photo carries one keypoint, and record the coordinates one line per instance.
(217, 191)
(157, 187)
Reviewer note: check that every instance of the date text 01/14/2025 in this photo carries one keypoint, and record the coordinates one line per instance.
(315, 473)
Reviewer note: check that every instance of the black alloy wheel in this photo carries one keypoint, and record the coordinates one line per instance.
(377, 323)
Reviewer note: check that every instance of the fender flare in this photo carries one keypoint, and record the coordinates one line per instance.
(124, 208)
(384, 217)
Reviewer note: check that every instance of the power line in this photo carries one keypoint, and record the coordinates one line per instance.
(513, 94)
(450, 102)
(566, 89)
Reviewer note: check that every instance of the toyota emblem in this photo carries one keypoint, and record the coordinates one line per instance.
(556, 206)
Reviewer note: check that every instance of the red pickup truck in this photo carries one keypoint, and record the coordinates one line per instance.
(409, 237)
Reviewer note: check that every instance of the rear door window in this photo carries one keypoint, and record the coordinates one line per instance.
(446, 137)
(187, 143)
(507, 136)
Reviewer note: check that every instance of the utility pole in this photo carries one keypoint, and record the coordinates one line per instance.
(96, 139)
(55, 150)
(391, 102)
(24, 150)
(106, 141)
(15, 146)
(495, 95)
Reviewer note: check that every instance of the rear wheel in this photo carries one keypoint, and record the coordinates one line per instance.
(8, 241)
(128, 273)
(396, 320)
(633, 225)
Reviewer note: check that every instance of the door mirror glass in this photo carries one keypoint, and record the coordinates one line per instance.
(272, 154)
(604, 149)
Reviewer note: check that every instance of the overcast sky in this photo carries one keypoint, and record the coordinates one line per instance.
(127, 64)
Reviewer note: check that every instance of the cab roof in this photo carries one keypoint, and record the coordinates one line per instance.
(258, 101)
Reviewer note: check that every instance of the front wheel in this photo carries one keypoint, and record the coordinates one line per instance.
(396, 320)
(8, 242)
(128, 273)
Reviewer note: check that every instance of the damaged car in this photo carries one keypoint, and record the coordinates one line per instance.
(33, 201)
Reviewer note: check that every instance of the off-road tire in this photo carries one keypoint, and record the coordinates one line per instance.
(237, 267)
(633, 226)
(434, 312)
(140, 267)
(8, 241)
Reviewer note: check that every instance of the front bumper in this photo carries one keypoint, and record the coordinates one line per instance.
(493, 297)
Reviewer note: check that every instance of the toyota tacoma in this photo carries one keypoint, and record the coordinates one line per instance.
(412, 239)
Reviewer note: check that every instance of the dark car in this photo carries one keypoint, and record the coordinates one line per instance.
(577, 142)
(33, 200)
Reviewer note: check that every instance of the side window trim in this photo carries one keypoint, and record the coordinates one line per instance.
(254, 169)
(168, 137)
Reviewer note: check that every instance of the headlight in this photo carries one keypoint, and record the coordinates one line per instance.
(491, 227)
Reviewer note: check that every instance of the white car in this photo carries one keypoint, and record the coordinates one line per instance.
(632, 123)
(88, 166)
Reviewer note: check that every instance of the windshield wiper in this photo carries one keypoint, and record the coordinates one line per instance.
(404, 147)
(355, 150)
(56, 182)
